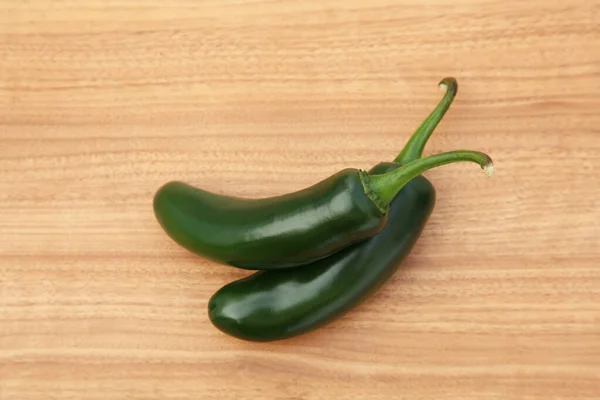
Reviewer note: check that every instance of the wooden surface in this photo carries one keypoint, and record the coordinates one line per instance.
(103, 101)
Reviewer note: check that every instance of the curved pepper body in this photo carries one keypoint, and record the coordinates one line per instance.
(274, 305)
(270, 233)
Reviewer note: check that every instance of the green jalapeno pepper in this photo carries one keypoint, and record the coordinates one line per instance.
(275, 305)
(292, 229)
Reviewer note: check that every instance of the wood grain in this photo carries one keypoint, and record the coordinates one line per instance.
(103, 101)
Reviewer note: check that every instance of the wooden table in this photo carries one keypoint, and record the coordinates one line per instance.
(101, 102)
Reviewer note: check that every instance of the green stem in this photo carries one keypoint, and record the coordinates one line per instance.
(383, 188)
(415, 145)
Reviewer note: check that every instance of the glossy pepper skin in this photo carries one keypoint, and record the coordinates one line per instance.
(270, 233)
(275, 305)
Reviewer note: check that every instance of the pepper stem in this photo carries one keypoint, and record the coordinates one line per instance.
(414, 147)
(383, 188)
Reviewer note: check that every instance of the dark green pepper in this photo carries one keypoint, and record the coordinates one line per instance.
(292, 229)
(275, 305)
(277, 232)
